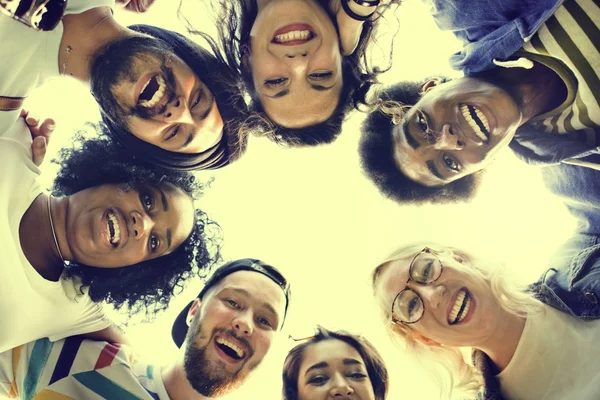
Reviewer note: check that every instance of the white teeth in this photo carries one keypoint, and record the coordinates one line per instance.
(464, 109)
(162, 86)
(293, 35)
(232, 346)
(116, 227)
(454, 316)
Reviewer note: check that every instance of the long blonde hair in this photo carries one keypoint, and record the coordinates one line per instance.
(454, 372)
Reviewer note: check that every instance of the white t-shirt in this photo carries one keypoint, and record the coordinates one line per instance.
(75, 369)
(557, 358)
(32, 307)
(28, 58)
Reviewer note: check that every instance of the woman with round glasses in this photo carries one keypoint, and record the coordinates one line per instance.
(303, 62)
(334, 365)
(441, 299)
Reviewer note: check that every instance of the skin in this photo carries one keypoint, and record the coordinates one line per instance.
(81, 224)
(190, 123)
(458, 151)
(487, 326)
(333, 369)
(183, 111)
(297, 69)
(245, 307)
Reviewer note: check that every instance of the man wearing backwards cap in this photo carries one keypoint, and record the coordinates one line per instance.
(161, 95)
(223, 335)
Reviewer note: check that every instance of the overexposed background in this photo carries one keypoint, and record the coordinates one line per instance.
(312, 213)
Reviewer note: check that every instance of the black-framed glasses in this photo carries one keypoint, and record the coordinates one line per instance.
(408, 307)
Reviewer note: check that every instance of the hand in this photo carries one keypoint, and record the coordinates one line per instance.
(40, 133)
(138, 6)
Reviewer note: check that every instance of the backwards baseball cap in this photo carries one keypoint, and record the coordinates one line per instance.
(180, 327)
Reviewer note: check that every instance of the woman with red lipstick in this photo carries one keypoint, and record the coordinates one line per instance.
(114, 230)
(303, 62)
(441, 299)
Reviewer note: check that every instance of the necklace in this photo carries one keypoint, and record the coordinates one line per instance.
(69, 48)
(53, 231)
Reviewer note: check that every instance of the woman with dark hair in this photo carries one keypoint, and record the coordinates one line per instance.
(334, 364)
(303, 62)
(114, 229)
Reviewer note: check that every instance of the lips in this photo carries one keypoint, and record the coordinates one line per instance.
(461, 309)
(293, 35)
(113, 228)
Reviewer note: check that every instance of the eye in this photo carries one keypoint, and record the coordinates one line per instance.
(320, 76)
(233, 303)
(153, 243)
(357, 375)
(275, 82)
(265, 322)
(198, 99)
(318, 380)
(450, 163)
(147, 202)
(412, 305)
(173, 133)
(422, 122)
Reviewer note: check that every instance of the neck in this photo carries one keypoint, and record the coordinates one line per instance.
(37, 237)
(501, 346)
(536, 90)
(84, 34)
(176, 382)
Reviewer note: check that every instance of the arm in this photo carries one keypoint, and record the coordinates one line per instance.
(110, 334)
(349, 28)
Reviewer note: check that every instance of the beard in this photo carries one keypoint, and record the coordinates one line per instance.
(207, 377)
(116, 62)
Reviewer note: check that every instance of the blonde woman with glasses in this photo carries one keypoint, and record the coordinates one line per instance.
(527, 344)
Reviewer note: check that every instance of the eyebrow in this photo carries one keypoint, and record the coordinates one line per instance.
(322, 364)
(410, 139)
(322, 88)
(278, 95)
(433, 169)
(351, 361)
(189, 139)
(204, 115)
(247, 294)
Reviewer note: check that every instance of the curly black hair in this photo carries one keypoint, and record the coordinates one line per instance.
(234, 22)
(377, 158)
(149, 285)
(376, 369)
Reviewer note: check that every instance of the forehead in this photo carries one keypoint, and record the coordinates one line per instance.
(331, 351)
(259, 288)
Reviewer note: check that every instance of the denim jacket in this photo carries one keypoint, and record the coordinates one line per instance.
(572, 282)
(489, 29)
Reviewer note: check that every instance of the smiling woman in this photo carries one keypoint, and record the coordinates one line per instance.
(303, 62)
(169, 100)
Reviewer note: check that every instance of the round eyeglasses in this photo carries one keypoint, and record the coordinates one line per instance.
(408, 307)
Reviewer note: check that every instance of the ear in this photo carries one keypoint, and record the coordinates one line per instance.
(425, 340)
(430, 84)
(246, 54)
(193, 311)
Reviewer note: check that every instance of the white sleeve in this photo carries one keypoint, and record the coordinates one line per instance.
(91, 319)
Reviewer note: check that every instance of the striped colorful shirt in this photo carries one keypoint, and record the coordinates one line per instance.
(76, 369)
(569, 43)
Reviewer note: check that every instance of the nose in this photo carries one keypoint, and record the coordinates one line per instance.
(448, 139)
(242, 324)
(431, 294)
(141, 224)
(178, 111)
(340, 388)
(297, 61)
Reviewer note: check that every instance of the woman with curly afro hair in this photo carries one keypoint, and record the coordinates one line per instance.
(114, 229)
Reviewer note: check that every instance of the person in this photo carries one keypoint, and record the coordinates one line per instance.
(223, 336)
(440, 299)
(530, 83)
(334, 365)
(161, 95)
(305, 63)
(113, 230)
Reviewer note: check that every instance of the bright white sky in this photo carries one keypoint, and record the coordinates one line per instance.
(312, 213)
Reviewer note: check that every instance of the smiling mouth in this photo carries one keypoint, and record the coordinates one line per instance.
(152, 92)
(294, 37)
(113, 229)
(230, 349)
(477, 121)
(461, 307)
